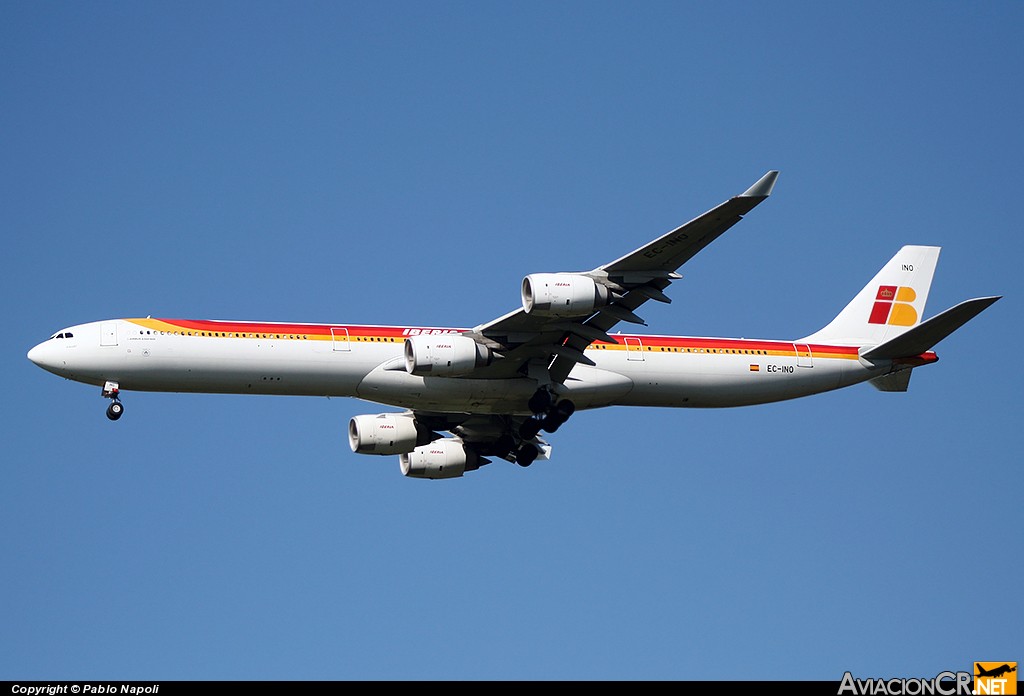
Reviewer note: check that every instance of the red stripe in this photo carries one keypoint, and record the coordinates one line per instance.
(281, 328)
(403, 331)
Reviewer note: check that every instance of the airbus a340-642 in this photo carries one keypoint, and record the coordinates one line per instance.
(496, 388)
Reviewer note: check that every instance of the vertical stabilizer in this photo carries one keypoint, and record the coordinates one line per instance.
(889, 305)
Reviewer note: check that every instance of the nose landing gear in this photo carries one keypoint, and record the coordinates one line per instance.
(116, 408)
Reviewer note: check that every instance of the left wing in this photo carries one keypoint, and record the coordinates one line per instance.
(547, 343)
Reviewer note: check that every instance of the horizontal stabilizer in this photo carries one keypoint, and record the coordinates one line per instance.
(893, 382)
(922, 337)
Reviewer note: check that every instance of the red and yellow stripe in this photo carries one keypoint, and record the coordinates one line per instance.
(398, 334)
(284, 331)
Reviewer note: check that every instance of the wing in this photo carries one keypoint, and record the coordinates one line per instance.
(546, 344)
(547, 348)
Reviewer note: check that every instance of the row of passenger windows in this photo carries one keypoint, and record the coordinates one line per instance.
(663, 349)
(226, 334)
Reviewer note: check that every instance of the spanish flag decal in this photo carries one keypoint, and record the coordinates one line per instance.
(755, 368)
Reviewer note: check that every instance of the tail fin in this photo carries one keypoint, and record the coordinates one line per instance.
(892, 303)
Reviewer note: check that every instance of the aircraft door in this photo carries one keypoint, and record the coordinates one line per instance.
(339, 339)
(108, 333)
(803, 355)
(634, 348)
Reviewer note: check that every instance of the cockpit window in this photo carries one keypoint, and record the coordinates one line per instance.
(68, 334)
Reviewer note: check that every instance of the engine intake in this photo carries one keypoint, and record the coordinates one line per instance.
(562, 295)
(441, 459)
(387, 433)
(444, 355)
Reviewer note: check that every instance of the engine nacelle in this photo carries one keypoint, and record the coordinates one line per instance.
(444, 355)
(562, 295)
(386, 433)
(441, 459)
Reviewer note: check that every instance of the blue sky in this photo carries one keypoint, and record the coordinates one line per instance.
(408, 163)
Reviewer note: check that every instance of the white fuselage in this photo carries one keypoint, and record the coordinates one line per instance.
(366, 362)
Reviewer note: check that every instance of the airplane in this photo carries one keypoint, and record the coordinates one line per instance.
(995, 672)
(472, 395)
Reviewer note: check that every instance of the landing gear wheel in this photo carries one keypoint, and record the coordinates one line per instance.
(114, 410)
(551, 422)
(526, 454)
(540, 402)
(564, 409)
(558, 414)
(529, 429)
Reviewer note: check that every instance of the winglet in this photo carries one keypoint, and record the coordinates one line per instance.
(763, 187)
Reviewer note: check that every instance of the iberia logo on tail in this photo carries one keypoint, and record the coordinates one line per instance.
(892, 306)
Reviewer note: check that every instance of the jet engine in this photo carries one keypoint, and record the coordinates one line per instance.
(562, 295)
(444, 355)
(441, 459)
(387, 433)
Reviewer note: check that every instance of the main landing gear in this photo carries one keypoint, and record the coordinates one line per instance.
(116, 408)
(548, 415)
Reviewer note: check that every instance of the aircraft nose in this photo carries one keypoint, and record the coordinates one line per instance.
(36, 354)
(43, 356)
